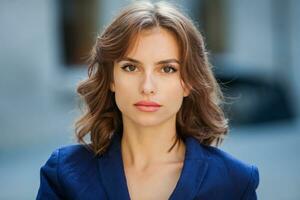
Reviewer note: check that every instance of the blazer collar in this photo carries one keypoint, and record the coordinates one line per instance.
(113, 177)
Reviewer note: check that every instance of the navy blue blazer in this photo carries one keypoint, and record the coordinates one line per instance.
(208, 173)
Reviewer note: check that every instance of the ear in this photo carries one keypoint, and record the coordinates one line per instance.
(112, 87)
(186, 91)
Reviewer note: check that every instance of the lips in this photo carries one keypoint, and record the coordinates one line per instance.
(147, 106)
(147, 103)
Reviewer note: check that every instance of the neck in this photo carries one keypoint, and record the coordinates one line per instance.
(144, 146)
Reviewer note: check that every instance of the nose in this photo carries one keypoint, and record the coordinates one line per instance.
(148, 86)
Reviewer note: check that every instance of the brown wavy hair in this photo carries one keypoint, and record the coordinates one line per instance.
(200, 115)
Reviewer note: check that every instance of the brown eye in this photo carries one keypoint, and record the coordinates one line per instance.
(169, 69)
(128, 67)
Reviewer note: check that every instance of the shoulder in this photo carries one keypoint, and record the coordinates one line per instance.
(227, 173)
(66, 171)
(241, 177)
(234, 166)
(74, 152)
(74, 160)
(68, 158)
(70, 155)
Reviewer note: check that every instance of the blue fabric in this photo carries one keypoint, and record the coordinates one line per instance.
(74, 172)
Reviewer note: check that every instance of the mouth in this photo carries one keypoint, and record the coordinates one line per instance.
(147, 103)
(147, 106)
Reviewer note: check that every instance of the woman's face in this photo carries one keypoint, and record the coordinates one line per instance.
(150, 72)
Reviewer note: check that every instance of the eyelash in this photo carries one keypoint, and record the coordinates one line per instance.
(169, 66)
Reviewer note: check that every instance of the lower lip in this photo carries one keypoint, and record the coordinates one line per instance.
(148, 108)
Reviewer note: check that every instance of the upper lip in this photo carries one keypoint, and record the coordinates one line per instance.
(146, 103)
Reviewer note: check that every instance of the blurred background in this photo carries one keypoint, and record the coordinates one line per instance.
(253, 45)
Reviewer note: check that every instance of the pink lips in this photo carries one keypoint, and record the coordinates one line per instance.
(147, 106)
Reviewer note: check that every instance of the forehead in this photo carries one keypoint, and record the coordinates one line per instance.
(157, 42)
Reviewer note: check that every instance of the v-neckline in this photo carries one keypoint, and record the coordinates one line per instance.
(113, 178)
(179, 181)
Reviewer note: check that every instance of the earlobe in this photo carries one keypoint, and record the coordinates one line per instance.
(112, 87)
(186, 91)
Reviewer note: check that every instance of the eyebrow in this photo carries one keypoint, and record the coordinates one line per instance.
(171, 60)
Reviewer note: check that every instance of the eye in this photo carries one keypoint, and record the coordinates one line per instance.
(169, 69)
(128, 67)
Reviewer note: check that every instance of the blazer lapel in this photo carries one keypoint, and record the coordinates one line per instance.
(114, 181)
(194, 169)
(112, 172)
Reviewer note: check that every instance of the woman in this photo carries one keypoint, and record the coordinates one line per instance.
(153, 117)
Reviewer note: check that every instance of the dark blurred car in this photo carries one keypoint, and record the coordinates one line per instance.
(251, 99)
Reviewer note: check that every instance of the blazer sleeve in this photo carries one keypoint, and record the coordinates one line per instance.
(250, 192)
(49, 180)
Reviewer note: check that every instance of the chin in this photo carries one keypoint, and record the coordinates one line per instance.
(147, 122)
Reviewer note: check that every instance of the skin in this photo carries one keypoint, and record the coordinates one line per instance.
(151, 172)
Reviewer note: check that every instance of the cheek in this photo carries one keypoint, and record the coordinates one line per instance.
(124, 92)
(173, 92)
(175, 88)
(122, 83)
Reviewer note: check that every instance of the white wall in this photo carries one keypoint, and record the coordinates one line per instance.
(28, 70)
(250, 35)
(295, 51)
(27, 44)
